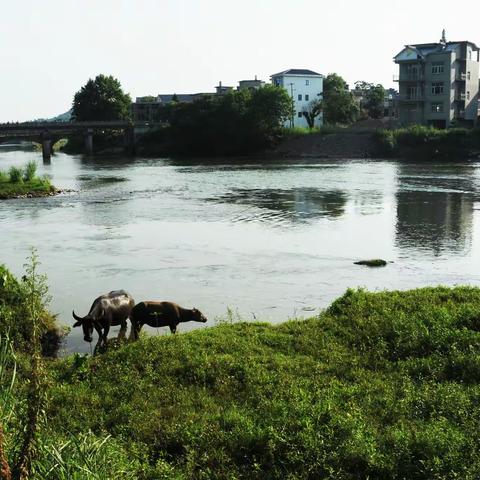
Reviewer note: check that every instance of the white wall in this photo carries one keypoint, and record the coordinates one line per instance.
(297, 84)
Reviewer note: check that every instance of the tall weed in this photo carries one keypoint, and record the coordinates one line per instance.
(15, 174)
(29, 171)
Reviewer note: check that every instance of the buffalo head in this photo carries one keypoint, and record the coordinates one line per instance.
(198, 316)
(87, 324)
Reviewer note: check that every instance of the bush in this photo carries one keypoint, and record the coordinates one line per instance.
(15, 174)
(427, 143)
(30, 171)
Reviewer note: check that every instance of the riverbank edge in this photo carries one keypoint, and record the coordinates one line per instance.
(50, 192)
(349, 144)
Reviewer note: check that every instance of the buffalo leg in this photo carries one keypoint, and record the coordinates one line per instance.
(173, 328)
(123, 331)
(135, 331)
(105, 335)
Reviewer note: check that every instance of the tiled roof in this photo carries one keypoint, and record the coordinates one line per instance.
(297, 71)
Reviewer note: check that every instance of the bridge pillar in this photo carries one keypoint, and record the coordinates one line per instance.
(129, 140)
(46, 148)
(89, 142)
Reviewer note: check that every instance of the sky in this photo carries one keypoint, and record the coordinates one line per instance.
(50, 48)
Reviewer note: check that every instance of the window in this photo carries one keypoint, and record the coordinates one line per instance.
(437, 88)
(437, 107)
(307, 97)
(300, 114)
(437, 68)
(307, 82)
(412, 93)
(468, 95)
(468, 75)
(299, 97)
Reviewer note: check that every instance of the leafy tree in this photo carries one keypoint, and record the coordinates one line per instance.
(269, 108)
(101, 99)
(339, 105)
(334, 83)
(312, 111)
(375, 101)
(372, 98)
(234, 123)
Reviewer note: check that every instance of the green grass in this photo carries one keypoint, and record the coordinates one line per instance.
(24, 181)
(302, 131)
(380, 386)
(427, 143)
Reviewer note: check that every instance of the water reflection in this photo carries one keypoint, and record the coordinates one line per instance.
(435, 212)
(298, 204)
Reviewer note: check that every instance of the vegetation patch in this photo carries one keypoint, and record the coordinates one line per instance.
(380, 386)
(427, 143)
(240, 122)
(23, 182)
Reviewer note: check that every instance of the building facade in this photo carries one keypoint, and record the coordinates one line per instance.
(303, 86)
(250, 84)
(438, 84)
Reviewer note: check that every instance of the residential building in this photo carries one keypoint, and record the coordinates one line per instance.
(438, 83)
(250, 84)
(222, 89)
(303, 86)
(147, 109)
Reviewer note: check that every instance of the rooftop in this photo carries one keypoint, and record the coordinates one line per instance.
(298, 71)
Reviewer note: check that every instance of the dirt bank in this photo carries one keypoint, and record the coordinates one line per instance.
(336, 145)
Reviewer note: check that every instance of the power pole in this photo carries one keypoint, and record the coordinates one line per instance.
(292, 121)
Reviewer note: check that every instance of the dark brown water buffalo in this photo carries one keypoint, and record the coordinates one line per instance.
(162, 314)
(109, 310)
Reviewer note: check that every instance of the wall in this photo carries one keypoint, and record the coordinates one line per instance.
(296, 84)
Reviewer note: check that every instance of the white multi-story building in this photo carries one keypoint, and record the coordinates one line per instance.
(304, 86)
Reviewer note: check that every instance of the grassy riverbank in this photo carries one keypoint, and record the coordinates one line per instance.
(380, 386)
(427, 143)
(23, 182)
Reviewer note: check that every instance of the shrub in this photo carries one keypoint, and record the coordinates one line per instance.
(30, 171)
(15, 174)
(427, 143)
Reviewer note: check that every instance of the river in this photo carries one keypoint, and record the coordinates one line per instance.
(267, 241)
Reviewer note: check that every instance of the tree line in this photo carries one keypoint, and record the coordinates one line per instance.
(235, 123)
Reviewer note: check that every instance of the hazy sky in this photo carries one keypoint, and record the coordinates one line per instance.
(50, 48)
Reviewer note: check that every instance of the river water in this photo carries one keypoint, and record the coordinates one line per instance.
(269, 241)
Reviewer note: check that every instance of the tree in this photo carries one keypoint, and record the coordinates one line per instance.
(375, 101)
(237, 122)
(312, 111)
(101, 99)
(334, 83)
(339, 105)
(372, 98)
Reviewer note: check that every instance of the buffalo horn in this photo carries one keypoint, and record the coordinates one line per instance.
(76, 317)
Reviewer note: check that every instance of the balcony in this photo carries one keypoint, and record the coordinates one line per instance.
(409, 77)
(419, 97)
(460, 97)
(461, 77)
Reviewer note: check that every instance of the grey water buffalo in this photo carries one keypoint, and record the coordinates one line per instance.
(109, 310)
(162, 314)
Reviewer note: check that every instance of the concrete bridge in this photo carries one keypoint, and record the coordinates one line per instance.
(47, 133)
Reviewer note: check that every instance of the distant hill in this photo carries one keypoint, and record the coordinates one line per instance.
(63, 117)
